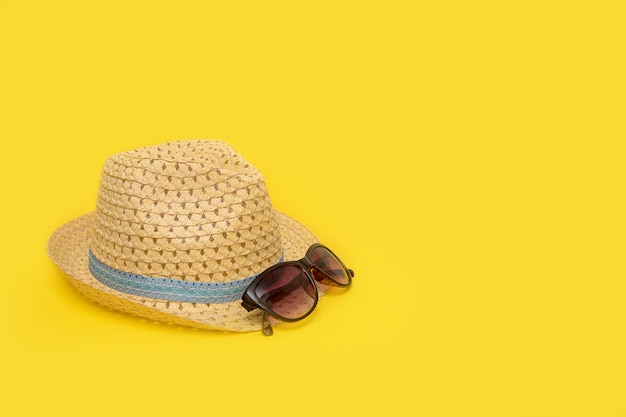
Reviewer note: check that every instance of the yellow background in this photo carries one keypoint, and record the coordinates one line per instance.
(465, 158)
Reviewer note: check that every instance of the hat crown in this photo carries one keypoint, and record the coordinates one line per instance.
(188, 210)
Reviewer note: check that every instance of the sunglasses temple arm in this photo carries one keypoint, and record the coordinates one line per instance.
(267, 326)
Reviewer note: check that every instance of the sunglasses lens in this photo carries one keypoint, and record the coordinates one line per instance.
(328, 263)
(287, 291)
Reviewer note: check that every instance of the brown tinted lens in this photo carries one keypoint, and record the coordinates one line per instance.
(287, 291)
(326, 262)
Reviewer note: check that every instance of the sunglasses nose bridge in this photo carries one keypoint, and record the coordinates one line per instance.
(319, 276)
(311, 269)
(306, 263)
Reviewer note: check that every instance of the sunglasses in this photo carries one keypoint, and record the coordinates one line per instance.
(288, 292)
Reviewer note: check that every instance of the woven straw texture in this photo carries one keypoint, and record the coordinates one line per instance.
(187, 210)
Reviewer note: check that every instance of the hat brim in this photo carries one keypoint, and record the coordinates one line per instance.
(68, 247)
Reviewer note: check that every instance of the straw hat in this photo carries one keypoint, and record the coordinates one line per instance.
(179, 231)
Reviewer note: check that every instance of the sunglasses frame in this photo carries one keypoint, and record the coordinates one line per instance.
(251, 301)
